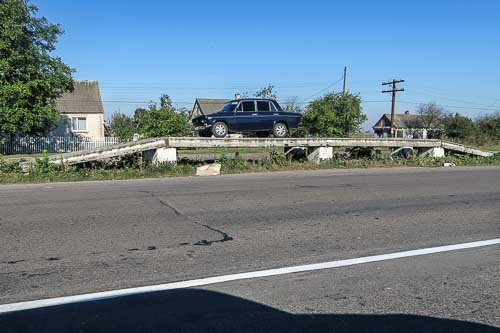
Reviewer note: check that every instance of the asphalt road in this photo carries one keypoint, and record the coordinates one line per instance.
(68, 239)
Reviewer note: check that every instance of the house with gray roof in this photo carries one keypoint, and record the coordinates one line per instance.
(206, 106)
(83, 110)
(407, 125)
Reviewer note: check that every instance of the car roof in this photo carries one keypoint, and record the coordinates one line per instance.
(252, 99)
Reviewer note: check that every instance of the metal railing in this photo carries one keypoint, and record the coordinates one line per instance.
(53, 144)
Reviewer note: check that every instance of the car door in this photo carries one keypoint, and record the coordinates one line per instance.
(266, 117)
(228, 114)
(247, 116)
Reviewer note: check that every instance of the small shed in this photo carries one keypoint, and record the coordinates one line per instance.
(206, 106)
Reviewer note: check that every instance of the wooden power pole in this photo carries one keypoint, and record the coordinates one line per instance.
(345, 79)
(393, 91)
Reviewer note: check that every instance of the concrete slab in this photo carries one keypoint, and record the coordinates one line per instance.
(212, 169)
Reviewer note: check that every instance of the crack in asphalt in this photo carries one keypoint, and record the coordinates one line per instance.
(11, 262)
(225, 236)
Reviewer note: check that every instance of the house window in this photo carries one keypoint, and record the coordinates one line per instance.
(79, 124)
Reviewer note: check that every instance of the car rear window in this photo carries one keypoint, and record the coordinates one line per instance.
(248, 106)
(263, 106)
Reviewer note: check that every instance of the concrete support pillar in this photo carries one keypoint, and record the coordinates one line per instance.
(432, 152)
(161, 156)
(320, 154)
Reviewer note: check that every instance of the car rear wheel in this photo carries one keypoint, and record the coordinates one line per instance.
(280, 130)
(219, 129)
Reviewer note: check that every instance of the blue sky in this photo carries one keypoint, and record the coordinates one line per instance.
(447, 51)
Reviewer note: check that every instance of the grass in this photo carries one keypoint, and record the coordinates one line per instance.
(19, 156)
(492, 147)
(44, 172)
(225, 150)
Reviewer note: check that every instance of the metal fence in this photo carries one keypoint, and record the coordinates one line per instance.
(53, 144)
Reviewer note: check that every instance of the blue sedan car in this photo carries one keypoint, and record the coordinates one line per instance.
(255, 115)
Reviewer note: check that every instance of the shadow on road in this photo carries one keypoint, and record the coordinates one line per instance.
(192, 310)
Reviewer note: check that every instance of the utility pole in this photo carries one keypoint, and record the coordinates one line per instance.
(393, 91)
(345, 79)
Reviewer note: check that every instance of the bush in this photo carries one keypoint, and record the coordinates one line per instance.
(162, 120)
(156, 120)
(489, 126)
(334, 115)
(122, 126)
(43, 167)
(481, 131)
(9, 167)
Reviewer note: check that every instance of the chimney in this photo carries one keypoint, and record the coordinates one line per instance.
(237, 96)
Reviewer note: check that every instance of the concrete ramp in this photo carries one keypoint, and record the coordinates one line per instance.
(103, 153)
(459, 148)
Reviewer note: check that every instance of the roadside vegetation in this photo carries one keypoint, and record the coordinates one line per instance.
(44, 172)
(31, 78)
(483, 131)
(157, 120)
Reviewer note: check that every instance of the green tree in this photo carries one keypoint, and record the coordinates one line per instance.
(266, 92)
(431, 115)
(30, 78)
(161, 119)
(334, 115)
(122, 126)
(459, 127)
(489, 126)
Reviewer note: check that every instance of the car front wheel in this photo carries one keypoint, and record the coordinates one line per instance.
(219, 129)
(280, 130)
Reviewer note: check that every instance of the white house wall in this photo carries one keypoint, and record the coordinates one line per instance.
(95, 125)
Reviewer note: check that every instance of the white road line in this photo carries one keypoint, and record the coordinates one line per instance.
(239, 276)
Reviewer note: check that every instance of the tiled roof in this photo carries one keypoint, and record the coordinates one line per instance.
(401, 121)
(209, 106)
(85, 98)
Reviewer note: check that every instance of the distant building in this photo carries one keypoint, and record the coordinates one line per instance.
(206, 106)
(408, 126)
(84, 111)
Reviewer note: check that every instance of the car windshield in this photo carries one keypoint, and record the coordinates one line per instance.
(228, 107)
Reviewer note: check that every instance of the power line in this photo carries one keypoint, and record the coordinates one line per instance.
(305, 100)
(453, 106)
(448, 98)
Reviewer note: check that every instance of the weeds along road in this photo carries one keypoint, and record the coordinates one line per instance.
(76, 238)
